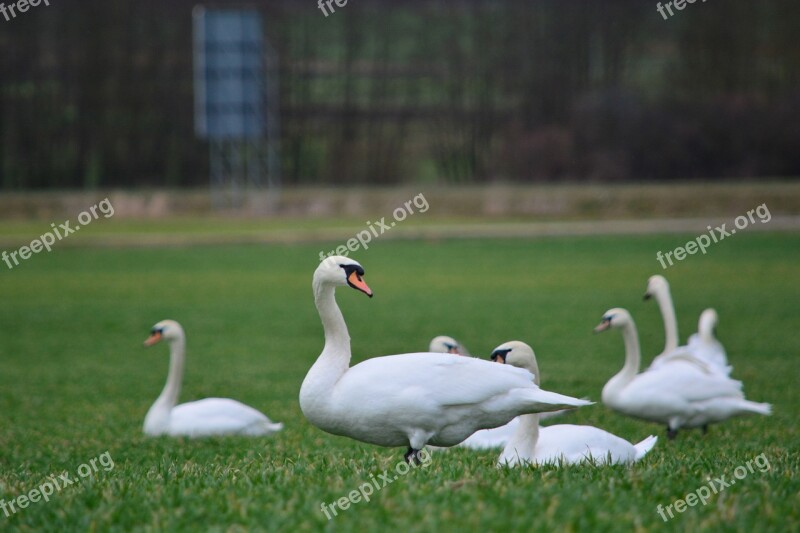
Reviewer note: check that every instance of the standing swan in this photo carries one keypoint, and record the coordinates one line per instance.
(707, 354)
(658, 288)
(203, 418)
(563, 443)
(679, 394)
(411, 399)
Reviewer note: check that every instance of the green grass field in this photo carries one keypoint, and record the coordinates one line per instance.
(76, 382)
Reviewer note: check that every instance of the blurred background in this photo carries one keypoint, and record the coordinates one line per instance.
(99, 94)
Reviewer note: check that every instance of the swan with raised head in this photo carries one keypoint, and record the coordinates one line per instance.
(562, 443)
(705, 345)
(202, 418)
(680, 394)
(445, 344)
(410, 399)
(712, 356)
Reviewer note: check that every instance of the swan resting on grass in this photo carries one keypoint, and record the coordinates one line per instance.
(564, 443)
(202, 418)
(678, 394)
(410, 399)
(445, 344)
(484, 439)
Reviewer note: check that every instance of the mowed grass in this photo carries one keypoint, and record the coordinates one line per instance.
(76, 382)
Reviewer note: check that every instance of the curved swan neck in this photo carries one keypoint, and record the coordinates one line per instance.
(172, 389)
(664, 299)
(632, 361)
(705, 328)
(523, 441)
(337, 339)
(632, 352)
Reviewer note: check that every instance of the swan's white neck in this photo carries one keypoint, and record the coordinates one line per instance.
(664, 299)
(334, 360)
(523, 441)
(631, 367)
(705, 328)
(157, 419)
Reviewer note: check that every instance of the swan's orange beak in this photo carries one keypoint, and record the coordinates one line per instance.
(153, 338)
(453, 350)
(602, 326)
(356, 282)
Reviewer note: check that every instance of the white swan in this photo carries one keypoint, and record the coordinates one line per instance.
(212, 416)
(680, 394)
(563, 443)
(705, 345)
(410, 399)
(711, 356)
(658, 288)
(445, 344)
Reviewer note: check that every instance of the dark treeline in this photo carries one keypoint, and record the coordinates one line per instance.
(98, 93)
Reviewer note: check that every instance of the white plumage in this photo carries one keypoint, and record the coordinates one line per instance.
(562, 443)
(409, 399)
(679, 394)
(202, 418)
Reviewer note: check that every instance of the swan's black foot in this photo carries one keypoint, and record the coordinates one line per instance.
(671, 433)
(705, 429)
(413, 456)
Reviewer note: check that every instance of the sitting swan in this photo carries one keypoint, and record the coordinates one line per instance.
(713, 357)
(411, 399)
(445, 344)
(203, 418)
(679, 394)
(563, 443)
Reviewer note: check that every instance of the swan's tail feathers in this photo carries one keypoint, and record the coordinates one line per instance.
(645, 446)
(263, 428)
(541, 401)
(759, 408)
(274, 427)
(560, 412)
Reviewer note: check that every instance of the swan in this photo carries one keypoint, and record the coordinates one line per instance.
(563, 443)
(710, 356)
(212, 416)
(705, 345)
(410, 399)
(680, 394)
(445, 344)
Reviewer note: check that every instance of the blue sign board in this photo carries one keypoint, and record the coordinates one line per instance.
(228, 74)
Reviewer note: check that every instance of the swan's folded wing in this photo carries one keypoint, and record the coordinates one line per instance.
(453, 380)
(688, 381)
(213, 416)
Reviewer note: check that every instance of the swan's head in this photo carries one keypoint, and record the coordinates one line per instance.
(655, 285)
(167, 330)
(707, 325)
(516, 353)
(445, 344)
(340, 270)
(614, 318)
